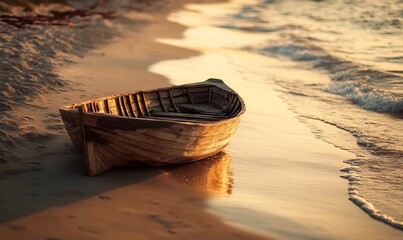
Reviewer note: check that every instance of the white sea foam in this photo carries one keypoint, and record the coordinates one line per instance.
(349, 79)
(352, 175)
(373, 211)
(294, 52)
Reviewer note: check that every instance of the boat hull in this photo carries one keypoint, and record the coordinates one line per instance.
(110, 140)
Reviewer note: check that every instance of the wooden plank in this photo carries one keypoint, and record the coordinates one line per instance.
(133, 105)
(111, 157)
(156, 152)
(101, 107)
(144, 139)
(125, 106)
(172, 101)
(124, 148)
(161, 103)
(139, 105)
(209, 94)
(104, 160)
(126, 103)
(231, 105)
(189, 96)
(235, 109)
(159, 142)
(164, 94)
(72, 122)
(94, 107)
(88, 107)
(200, 97)
(183, 120)
(195, 130)
(219, 101)
(118, 106)
(201, 109)
(183, 99)
(201, 143)
(112, 106)
(198, 89)
(101, 158)
(113, 153)
(221, 93)
(168, 136)
(144, 100)
(131, 147)
(106, 105)
(93, 166)
(84, 139)
(185, 116)
(121, 107)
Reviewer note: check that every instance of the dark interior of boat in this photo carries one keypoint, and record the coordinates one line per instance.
(195, 104)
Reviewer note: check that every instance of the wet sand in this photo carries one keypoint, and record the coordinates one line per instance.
(49, 197)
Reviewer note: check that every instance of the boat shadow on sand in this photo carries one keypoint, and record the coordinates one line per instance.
(62, 182)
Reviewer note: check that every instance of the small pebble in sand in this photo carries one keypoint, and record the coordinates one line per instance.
(104, 197)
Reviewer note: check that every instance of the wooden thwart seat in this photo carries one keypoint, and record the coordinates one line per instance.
(186, 116)
(203, 109)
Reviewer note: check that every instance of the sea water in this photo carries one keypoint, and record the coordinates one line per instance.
(357, 45)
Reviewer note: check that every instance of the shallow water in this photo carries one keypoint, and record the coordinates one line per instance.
(357, 45)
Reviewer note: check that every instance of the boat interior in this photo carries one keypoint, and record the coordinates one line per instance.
(194, 104)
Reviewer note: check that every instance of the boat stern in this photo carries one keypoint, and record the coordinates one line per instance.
(71, 120)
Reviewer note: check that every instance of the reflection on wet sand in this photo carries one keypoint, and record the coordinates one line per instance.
(212, 174)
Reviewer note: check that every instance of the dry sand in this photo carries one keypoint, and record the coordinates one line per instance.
(59, 202)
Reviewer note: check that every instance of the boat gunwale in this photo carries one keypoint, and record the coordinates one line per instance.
(207, 83)
(165, 120)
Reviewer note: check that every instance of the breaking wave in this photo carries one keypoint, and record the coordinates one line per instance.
(356, 82)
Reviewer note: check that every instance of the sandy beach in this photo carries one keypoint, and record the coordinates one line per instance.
(276, 180)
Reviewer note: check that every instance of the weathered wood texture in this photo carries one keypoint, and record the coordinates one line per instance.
(158, 127)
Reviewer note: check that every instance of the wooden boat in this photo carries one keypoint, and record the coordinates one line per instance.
(164, 126)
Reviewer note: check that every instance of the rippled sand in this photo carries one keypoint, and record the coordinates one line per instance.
(33, 46)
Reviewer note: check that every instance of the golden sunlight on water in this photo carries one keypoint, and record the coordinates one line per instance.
(212, 175)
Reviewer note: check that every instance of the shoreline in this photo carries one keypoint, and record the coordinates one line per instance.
(125, 203)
